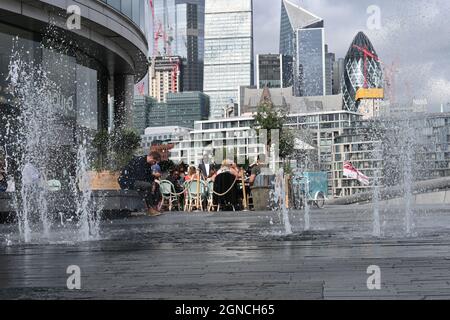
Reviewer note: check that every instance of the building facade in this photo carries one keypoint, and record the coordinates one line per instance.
(362, 71)
(184, 108)
(329, 70)
(338, 74)
(228, 51)
(323, 128)
(418, 144)
(273, 71)
(302, 37)
(142, 108)
(250, 98)
(310, 73)
(162, 134)
(179, 30)
(239, 139)
(231, 138)
(165, 76)
(83, 67)
(180, 109)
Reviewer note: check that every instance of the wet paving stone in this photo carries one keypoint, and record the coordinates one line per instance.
(242, 255)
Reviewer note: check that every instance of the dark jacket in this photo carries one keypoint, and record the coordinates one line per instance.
(176, 184)
(222, 183)
(138, 169)
(202, 168)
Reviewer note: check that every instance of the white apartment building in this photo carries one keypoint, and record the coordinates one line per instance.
(237, 136)
(165, 134)
(231, 138)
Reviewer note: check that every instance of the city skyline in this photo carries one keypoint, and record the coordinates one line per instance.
(401, 27)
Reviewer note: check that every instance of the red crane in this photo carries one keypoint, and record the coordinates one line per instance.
(366, 53)
(175, 70)
(160, 32)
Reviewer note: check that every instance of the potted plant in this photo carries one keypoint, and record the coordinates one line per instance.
(114, 151)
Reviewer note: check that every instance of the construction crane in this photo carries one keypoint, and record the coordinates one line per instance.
(366, 54)
(365, 92)
(160, 31)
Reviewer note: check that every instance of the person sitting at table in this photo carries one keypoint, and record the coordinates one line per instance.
(212, 175)
(174, 178)
(228, 166)
(192, 174)
(256, 171)
(226, 186)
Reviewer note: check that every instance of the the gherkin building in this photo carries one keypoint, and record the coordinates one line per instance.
(362, 70)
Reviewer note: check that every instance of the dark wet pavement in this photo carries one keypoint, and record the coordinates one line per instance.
(242, 255)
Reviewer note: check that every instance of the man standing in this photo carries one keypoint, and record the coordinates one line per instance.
(139, 175)
(205, 166)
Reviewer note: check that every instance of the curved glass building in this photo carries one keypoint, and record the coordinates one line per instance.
(362, 70)
(85, 64)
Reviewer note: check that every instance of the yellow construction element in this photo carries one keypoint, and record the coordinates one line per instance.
(374, 93)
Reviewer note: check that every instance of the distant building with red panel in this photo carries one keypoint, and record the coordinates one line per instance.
(163, 149)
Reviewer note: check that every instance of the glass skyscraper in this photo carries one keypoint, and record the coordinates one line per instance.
(302, 37)
(329, 64)
(361, 70)
(310, 63)
(228, 51)
(273, 71)
(178, 30)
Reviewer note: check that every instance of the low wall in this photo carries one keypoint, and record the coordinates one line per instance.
(440, 197)
(117, 200)
(426, 192)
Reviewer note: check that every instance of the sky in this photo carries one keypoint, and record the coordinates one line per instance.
(413, 39)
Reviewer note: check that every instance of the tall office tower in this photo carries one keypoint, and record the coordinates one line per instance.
(228, 52)
(302, 37)
(362, 71)
(338, 73)
(329, 64)
(178, 30)
(273, 71)
(165, 76)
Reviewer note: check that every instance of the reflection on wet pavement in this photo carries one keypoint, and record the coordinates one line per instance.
(237, 256)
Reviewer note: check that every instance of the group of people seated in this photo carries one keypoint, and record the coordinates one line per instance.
(224, 183)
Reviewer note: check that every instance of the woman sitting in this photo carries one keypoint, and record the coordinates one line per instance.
(228, 166)
(191, 175)
(212, 175)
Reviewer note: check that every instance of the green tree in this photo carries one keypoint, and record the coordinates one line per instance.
(102, 144)
(124, 143)
(271, 118)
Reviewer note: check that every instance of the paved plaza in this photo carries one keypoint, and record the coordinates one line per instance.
(241, 255)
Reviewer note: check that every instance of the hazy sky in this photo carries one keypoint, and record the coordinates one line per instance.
(414, 37)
